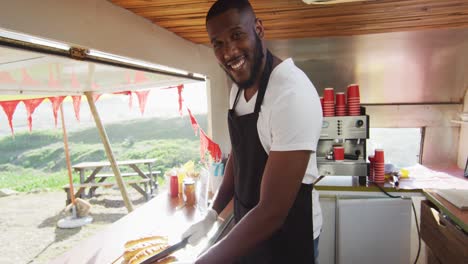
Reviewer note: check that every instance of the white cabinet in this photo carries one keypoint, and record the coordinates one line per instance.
(365, 227)
(373, 231)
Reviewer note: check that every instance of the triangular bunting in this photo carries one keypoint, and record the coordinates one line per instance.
(142, 97)
(180, 88)
(53, 83)
(75, 84)
(128, 78)
(206, 144)
(56, 102)
(130, 98)
(31, 105)
(96, 96)
(194, 122)
(6, 78)
(94, 86)
(26, 79)
(76, 106)
(9, 107)
(140, 77)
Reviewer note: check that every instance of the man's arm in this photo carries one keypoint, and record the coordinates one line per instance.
(226, 190)
(281, 182)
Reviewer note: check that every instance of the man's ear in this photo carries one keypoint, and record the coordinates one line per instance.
(259, 29)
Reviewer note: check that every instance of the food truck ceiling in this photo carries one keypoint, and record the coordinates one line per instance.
(286, 19)
(35, 73)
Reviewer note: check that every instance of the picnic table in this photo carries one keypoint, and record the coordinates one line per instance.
(90, 177)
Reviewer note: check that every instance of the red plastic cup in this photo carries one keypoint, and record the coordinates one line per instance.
(340, 99)
(353, 90)
(338, 152)
(379, 156)
(321, 101)
(329, 95)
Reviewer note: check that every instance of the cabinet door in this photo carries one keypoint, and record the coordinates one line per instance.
(327, 236)
(373, 231)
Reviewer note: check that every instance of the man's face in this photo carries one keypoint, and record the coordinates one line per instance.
(237, 46)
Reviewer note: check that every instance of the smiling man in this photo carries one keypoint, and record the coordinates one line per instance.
(274, 120)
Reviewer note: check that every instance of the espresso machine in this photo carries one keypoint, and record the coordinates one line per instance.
(350, 132)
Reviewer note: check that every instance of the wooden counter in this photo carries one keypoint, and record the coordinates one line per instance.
(160, 216)
(444, 230)
(455, 214)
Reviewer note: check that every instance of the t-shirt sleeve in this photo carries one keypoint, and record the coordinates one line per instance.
(296, 120)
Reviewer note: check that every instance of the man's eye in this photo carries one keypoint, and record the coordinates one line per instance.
(237, 35)
(217, 45)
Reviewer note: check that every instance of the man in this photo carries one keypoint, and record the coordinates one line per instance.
(274, 120)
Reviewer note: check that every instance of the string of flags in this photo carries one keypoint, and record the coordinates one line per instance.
(207, 145)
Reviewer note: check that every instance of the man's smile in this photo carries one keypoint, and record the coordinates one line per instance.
(237, 63)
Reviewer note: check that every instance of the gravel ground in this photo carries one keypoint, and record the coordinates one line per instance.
(28, 231)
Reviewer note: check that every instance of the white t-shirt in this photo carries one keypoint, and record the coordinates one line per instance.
(290, 118)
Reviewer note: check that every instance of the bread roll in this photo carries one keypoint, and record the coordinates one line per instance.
(132, 243)
(167, 260)
(146, 253)
(131, 252)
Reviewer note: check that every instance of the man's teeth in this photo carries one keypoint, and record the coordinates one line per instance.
(237, 65)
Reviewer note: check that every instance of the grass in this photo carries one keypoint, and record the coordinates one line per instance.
(26, 180)
(36, 161)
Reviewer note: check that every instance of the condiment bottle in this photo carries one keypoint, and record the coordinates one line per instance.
(174, 186)
(181, 175)
(190, 196)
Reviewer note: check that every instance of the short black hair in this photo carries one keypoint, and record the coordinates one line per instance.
(222, 6)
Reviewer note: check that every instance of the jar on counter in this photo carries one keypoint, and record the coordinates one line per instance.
(190, 196)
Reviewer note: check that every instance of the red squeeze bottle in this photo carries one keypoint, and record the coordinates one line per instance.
(174, 186)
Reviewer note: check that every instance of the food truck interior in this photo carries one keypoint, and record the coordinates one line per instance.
(409, 59)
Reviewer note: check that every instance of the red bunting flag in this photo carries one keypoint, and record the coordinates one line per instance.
(140, 77)
(53, 83)
(206, 144)
(56, 102)
(96, 96)
(31, 105)
(180, 88)
(75, 84)
(130, 98)
(6, 78)
(142, 98)
(26, 79)
(76, 106)
(9, 107)
(194, 122)
(128, 78)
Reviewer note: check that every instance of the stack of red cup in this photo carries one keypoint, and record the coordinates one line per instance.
(379, 166)
(329, 102)
(371, 168)
(340, 105)
(321, 101)
(354, 103)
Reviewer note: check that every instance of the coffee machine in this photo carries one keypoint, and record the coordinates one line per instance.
(350, 132)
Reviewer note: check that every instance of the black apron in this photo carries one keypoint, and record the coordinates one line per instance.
(293, 242)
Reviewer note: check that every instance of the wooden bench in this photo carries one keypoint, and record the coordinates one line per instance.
(103, 176)
(80, 188)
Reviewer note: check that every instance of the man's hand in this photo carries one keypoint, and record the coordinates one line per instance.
(198, 230)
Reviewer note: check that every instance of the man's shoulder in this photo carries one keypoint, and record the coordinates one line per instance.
(287, 73)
